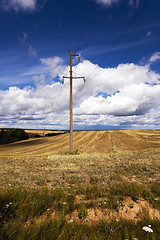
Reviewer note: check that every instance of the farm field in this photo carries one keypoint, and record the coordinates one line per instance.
(109, 188)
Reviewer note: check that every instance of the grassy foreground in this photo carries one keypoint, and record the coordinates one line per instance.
(111, 193)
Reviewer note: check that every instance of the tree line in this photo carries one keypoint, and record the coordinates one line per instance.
(12, 135)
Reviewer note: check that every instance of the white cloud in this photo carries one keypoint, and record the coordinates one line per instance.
(107, 2)
(149, 34)
(19, 4)
(32, 51)
(131, 100)
(127, 95)
(54, 66)
(24, 38)
(24, 41)
(134, 3)
(111, 80)
(155, 57)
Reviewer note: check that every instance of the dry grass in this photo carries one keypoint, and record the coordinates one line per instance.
(116, 155)
(42, 133)
(111, 182)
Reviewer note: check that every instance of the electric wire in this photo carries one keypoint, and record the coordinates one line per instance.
(115, 43)
(60, 91)
(93, 30)
(84, 25)
(121, 35)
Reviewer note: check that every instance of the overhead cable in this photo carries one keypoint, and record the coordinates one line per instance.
(121, 35)
(84, 26)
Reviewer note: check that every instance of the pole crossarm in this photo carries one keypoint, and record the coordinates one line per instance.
(75, 78)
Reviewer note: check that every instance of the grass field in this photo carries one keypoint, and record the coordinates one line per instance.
(109, 188)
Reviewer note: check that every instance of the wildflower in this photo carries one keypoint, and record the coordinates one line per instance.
(10, 203)
(71, 220)
(156, 199)
(147, 229)
(64, 203)
(48, 209)
(7, 205)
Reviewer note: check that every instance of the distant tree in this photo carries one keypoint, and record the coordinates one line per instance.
(12, 135)
(54, 134)
(37, 136)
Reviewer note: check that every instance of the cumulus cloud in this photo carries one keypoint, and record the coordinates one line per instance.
(127, 95)
(17, 5)
(111, 80)
(54, 66)
(131, 100)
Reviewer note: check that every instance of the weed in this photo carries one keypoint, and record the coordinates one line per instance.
(93, 179)
(82, 212)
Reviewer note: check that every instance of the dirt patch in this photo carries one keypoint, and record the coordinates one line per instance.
(129, 210)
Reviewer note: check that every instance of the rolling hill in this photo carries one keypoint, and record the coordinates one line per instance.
(100, 142)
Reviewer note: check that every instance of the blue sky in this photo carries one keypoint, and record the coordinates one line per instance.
(122, 91)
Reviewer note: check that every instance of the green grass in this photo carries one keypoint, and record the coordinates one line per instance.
(52, 230)
(27, 214)
(47, 194)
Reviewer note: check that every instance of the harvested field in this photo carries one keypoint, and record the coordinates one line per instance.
(111, 181)
(103, 154)
(90, 142)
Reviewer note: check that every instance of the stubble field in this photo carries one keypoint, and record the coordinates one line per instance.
(108, 187)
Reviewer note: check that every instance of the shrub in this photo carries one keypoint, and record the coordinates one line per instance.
(37, 136)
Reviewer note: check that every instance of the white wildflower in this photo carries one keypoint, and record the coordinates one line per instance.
(64, 203)
(147, 229)
(156, 199)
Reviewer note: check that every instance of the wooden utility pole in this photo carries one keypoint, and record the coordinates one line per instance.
(71, 106)
(71, 99)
